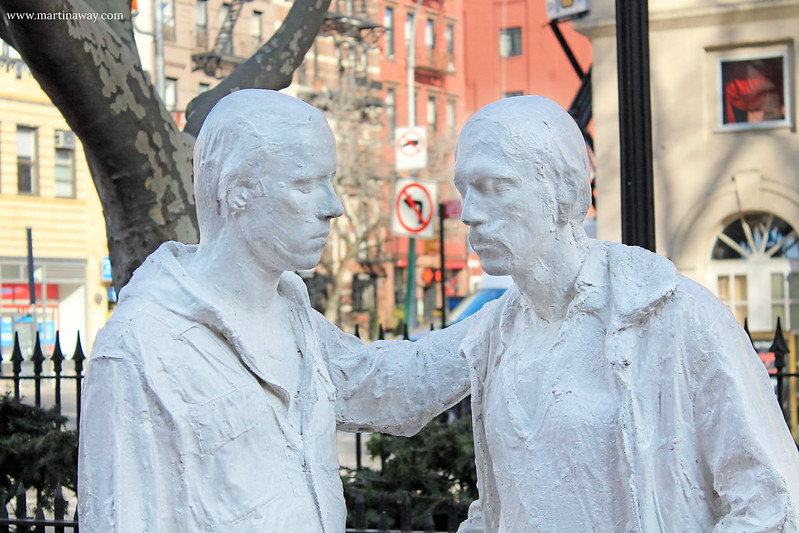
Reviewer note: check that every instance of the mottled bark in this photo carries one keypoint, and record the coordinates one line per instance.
(140, 161)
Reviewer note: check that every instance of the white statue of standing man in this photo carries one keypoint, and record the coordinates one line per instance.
(609, 393)
(214, 392)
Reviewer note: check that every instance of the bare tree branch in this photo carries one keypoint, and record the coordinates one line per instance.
(272, 66)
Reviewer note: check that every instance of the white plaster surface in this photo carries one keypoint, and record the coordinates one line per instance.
(214, 392)
(609, 393)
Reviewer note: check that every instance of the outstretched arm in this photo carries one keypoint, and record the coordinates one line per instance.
(394, 386)
(747, 445)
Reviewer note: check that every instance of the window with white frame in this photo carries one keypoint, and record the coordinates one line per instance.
(432, 114)
(171, 94)
(510, 42)
(430, 34)
(64, 164)
(256, 30)
(388, 24)
(201, 24)
(753, 88)
(755, 265)
(391, 112)
(27, 155)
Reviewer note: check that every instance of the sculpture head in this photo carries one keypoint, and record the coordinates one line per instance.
(521, 166)
(263, 168)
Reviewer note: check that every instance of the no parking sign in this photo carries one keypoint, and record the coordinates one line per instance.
(411, 148)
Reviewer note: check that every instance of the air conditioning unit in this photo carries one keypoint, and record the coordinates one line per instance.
(65, 139)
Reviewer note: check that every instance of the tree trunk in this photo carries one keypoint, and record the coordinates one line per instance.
(139, 160)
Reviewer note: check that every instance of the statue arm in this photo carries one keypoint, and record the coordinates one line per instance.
(745, 440)
(395, 386)
(116, 453)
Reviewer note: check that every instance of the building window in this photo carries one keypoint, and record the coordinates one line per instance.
(408, 26)
(430, 34)
(168, 11)
(64, 164)
(256, 30)
(388, 24)
(227, 49)
(391, 112)
(27, 171)
(511, 94)
(64, 173)
(8, 51)
(451, 116)
(202, 87)
(753, 90)
(201, 24)
(432, 115)
(510, 42)
(755, 251)
(171, 94)
(449, 37)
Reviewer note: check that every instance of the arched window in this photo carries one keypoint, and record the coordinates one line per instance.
(755, 267)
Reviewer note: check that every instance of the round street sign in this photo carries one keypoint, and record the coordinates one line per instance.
(410, 143)
(414, 208)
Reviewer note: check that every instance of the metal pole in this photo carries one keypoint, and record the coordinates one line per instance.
(442, 257)
(635, 124)
(410, 282)
(158, 43)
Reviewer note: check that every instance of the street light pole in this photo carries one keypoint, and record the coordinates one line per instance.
(635, 124)
(410, 282)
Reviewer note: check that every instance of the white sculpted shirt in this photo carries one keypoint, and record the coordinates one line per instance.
(645, 410)
(186, 428)
(554, 380)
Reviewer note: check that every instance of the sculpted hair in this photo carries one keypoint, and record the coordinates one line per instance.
(241, 134)
(541, 140)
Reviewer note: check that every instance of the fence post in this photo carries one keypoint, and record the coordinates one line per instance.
(3, 514)
(383, 521)
(16, 358)
(429, 525)
(21, 512)
(78, 358)
(57, 358)
(452, 514)
(59, 503)
(779, 348)
(360, 511)
(39, 515)
(37, 359)
(405, 512)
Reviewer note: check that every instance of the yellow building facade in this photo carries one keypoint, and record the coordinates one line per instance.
(45, 185)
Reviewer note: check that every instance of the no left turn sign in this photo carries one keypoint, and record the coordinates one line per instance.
(414, 207)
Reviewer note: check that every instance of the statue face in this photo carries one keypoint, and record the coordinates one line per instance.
(287, 225)
(505, 209)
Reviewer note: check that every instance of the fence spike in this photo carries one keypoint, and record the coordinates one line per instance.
(452, 514)
(357, 331)
(360, 511)
(22, 502)
(16, 353)
(779, 347)
(78, 356)
(429, 525)
(37, 357)
(405, 512)
(58, 356)
(405, 330)
(59, 504)
(381, 333)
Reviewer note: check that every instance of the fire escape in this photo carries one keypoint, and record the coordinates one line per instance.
(220, 58)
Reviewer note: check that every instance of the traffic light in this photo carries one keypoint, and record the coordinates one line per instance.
(430, 275)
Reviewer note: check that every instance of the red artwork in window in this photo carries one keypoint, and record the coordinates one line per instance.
(753, 90)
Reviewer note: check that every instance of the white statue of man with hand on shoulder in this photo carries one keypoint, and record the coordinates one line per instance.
(609, 393)
(214, 392)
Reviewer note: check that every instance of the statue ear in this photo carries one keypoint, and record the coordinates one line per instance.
(238, 196)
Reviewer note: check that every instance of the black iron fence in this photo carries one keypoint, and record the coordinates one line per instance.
(780, 358)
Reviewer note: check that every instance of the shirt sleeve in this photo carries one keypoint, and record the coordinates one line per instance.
(745, 440)
(394, 386)
(116, 463)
